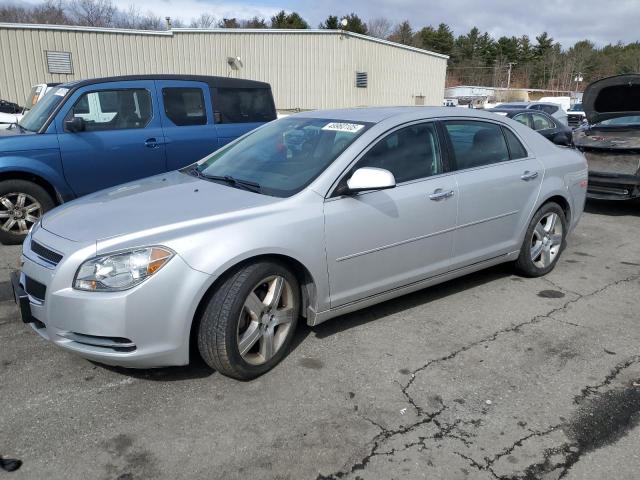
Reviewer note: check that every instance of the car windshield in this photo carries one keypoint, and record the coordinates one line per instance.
(35, 118)
(576, 108)
(512, 105)
(630, 121)
(284, 156)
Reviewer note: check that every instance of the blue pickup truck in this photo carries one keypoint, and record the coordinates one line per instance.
(92, 134)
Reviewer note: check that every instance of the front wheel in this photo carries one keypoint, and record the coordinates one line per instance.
(249, 321)
(22, 203)
(543, 242)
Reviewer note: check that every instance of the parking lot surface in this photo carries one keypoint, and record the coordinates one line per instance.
(488, 376)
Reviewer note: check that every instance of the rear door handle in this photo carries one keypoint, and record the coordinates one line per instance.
(527, 175)
(439, 194)
(151, 143)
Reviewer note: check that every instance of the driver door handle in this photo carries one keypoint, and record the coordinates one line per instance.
(439, 194)
(527, 175)
(152, 143)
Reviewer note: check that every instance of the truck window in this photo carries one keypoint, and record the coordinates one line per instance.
(184, 106)
(244, 105)
(113, 109)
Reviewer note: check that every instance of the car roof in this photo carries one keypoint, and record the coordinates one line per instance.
(509, 111)
(213, 82)
(379, 114)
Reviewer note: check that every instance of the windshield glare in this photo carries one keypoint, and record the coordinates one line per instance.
(630, 121)
(286, 155)
(34, 119)
(576, 108)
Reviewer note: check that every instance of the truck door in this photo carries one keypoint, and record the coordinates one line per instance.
(117, 135)
(187, 121)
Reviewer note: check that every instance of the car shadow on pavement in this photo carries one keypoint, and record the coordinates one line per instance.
(613, 207)
(405, 302)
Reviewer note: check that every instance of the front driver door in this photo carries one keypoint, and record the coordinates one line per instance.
(380, 240)
(122, 138)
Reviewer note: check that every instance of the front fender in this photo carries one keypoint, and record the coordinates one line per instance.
(43, 164)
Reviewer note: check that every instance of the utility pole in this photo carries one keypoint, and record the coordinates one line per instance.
(511, 64)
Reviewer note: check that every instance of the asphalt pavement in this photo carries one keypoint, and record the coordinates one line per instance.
(487, 376)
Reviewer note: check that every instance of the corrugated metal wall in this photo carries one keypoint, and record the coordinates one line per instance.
(306, 69)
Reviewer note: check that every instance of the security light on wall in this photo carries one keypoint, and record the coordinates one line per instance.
(235, 63)
(344, 23)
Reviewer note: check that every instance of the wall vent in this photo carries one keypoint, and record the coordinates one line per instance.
(59, 62)
(361, 79)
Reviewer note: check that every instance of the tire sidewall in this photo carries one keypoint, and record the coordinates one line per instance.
(525, 263)
(258, 273)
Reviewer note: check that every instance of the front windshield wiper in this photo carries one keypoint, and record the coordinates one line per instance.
(234, 182)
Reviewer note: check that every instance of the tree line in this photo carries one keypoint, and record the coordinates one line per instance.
(476, 58)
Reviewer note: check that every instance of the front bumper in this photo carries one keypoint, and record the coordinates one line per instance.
(613, 186)
(146, 326)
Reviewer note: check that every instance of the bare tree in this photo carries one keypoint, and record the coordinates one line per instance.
(379, 27)
(51, 12)
(94, 13)
(205, 20)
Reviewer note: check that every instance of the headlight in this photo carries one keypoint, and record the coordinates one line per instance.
(120, 271)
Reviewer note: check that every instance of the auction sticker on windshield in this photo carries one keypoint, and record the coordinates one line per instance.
(343, 127)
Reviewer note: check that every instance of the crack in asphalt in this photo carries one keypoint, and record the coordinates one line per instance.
(559, 287)
(591, 389)
(377, 441)
(512, 328)
(570, 451)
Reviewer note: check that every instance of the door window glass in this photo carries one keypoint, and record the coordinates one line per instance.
(476, 143)
(516, 148)
(113, 109)
(540, 122)
(244, 105)
(184, 106)
(409, 153)
(523, 118)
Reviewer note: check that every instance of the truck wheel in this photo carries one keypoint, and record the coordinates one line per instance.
(22, 203)
(249, 321)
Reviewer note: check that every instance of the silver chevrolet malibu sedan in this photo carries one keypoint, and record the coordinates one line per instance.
(304, 219)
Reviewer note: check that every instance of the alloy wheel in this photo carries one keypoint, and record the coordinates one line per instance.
(546, 240)
(265, 319)
(18, 212)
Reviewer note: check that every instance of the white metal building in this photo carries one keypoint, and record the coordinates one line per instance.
(307, 69)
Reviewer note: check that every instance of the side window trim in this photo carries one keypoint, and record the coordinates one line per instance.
(349, 169)
(511, 154)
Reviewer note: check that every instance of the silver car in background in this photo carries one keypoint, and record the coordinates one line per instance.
(305, 219)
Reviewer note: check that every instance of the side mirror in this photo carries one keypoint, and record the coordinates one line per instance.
(370, 178)
(74, 124)
(561, 139)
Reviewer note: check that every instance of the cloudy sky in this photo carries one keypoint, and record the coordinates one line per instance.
(602, 21)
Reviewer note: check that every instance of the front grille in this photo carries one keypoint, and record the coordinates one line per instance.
(45, 253)
(35, 288)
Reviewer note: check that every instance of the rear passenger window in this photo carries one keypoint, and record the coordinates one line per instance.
(516, 149)
(540, 122)
(184, 106)
(476, 143)
(244, 105)
(409, 153)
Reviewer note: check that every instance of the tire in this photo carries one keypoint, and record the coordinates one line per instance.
(544, 241)
(35, 202)
(241, 311)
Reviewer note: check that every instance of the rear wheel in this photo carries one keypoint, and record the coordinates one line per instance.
(543, 242)
(249, 321)
(22, 203)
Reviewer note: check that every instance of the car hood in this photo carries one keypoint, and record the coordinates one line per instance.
(612, 97)
(164, 202)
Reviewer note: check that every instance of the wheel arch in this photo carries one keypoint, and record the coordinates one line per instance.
(560, 200)
(308, 289)
(38, 179)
